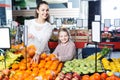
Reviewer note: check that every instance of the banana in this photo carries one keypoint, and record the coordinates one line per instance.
(1, 58)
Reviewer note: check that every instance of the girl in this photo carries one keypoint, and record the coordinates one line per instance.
(39, 30)
(66, 48)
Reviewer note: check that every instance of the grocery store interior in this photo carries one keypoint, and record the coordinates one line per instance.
(94, 27)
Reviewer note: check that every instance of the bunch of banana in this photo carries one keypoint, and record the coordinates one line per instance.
(1, 58)
(10, 59)
(92, 57)
(12, 55)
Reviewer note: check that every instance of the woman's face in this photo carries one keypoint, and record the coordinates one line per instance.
(63, 37)
(43, 11)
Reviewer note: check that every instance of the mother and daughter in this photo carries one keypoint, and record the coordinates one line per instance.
(40, 30)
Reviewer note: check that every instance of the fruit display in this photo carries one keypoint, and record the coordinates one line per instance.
(10, 58)
(49, 67)
(94, 76)
(106, 35)
(46, 69)
(112, 65)
(21, 49)
(82, 66)
(68, 76)
(86, 65)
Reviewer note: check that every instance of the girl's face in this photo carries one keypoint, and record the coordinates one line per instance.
(63, 37)
(43, 11)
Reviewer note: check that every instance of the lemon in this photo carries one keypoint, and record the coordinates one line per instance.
(109, 73)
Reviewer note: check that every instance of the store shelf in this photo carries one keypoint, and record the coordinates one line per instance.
(59, 13)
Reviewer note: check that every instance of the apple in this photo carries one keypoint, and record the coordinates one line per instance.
(68, 75)
(77, 76)
(75, 79)
(1, 76)
(66, 78)
(6, 72)
(58, 78)
(6, 78)
(75, 73)
(61, 75)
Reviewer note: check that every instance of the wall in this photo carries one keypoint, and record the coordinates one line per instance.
(2, 14)
(5, 12)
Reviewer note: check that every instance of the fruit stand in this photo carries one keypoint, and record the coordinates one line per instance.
(18, 68)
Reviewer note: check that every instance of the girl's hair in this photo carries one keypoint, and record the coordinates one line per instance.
(65, 30)
(38, 5)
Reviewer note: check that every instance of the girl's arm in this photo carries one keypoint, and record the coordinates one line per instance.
(56, 50)
(69, 55)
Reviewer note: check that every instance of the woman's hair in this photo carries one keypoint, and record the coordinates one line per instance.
(65, 30)
(38, 5)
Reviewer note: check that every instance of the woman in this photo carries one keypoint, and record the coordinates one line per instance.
(39, 30)
(66, 49)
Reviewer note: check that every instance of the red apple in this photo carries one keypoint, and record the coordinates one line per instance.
(6, 78)
(6, 72)
(68, 75)
(75, 79)
(75, 73)
(61, 75)
(66, 78)
(1, 76)
(78, 77)
(58, 78)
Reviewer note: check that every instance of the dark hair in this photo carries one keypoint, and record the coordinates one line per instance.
(38, 5)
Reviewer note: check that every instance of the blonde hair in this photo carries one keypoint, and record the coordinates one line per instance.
(65, 30)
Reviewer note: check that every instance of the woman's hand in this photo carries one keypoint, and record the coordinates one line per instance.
(35, 58)
(30, 35)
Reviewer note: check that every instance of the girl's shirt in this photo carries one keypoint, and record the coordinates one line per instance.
(41, 33)
(65, 51)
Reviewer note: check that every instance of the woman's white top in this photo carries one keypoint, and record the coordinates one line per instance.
(41, 33)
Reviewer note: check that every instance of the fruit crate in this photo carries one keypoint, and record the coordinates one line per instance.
(82, 66)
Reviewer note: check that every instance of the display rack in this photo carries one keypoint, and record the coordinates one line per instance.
(5, 41)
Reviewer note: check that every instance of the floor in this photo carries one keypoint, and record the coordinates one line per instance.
(115, 54)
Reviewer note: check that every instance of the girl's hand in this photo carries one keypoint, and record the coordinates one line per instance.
(55, 58)
(30, 35)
